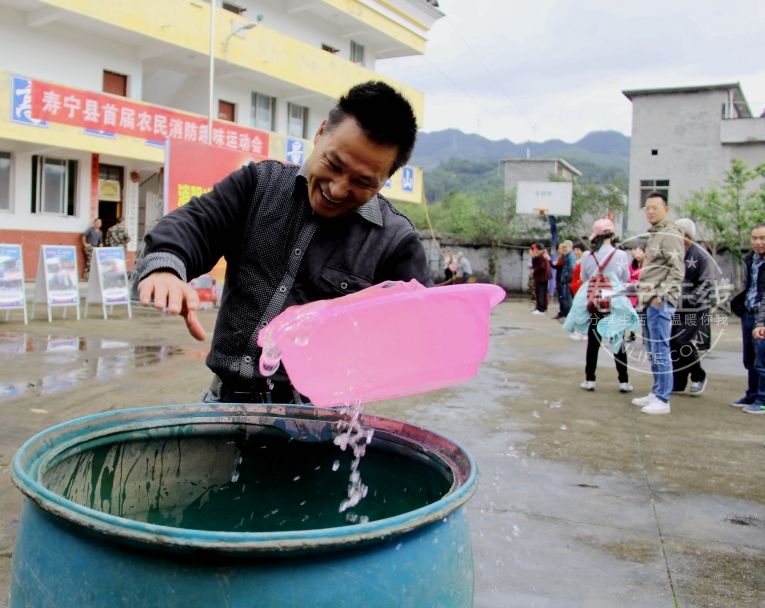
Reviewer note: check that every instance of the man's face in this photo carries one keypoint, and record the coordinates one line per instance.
(346, 168)
(655, 210)
(96, 224)
(758, 241)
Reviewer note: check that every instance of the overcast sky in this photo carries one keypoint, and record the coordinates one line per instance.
(542, 69)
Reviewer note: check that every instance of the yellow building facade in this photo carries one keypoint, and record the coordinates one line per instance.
(91, 89)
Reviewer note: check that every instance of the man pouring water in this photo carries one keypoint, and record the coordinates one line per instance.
(290, 235)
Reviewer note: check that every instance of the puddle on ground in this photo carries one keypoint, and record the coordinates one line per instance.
(85, 358)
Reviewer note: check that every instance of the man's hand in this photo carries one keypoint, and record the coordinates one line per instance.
(758, 333)
(170, 294)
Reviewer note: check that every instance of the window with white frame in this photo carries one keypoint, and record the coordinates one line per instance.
(54, 185)
(357, 53)
(297, 120)
(650, 185)
(263, 113)
(5, 181)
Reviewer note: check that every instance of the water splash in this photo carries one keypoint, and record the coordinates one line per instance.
(352, 434)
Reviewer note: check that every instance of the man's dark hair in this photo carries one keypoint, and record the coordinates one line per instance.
(657, 194)
(384, 115)
(756, 226)
(580, 246)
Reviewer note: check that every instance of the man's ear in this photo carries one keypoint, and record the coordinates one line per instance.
(320, 131)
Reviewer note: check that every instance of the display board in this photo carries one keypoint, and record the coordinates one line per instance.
(56, 281)
(12, 296)
(108, 282)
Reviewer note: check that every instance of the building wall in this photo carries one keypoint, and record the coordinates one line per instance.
(38, 52)
(685, 131)
(531, 171)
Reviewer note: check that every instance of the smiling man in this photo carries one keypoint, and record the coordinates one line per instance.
(290, 235)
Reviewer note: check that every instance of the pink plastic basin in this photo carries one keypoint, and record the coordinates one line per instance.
(389, 340)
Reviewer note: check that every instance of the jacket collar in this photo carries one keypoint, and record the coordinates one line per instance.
(370, 210)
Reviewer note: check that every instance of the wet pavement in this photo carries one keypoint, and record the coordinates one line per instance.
(583, 500)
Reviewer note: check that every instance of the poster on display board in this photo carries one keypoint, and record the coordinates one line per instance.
(12, 296)
(108, 283)
(56, 281)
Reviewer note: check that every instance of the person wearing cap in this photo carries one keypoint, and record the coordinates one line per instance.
(659, 295)
(604, 257)
(698, 282)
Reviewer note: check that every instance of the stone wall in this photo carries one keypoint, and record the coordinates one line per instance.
(513, 262)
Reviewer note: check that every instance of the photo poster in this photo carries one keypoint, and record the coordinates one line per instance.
(56, 283)
(192, 169)
(12, 294)
(108, 282)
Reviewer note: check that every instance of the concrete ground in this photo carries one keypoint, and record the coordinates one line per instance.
(583, 500)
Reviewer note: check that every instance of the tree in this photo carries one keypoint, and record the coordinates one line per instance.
(726, 213)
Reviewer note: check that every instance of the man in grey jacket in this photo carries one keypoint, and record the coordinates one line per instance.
(659, 294)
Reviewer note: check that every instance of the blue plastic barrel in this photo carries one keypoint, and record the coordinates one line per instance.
(234, 505)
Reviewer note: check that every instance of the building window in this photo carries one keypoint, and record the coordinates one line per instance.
(654, 152)
(297, 120)
(226, 110)
(649, 185)
(357, 53)
(234, 8)
(263, 112)
(54, 185)
(114, 83)
(5, 181)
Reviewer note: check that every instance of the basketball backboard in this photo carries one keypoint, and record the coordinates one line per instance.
(549, 198)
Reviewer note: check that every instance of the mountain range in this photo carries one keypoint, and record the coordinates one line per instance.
(599, 155)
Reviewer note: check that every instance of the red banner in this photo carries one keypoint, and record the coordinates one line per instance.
(191, 169)
(114, 114)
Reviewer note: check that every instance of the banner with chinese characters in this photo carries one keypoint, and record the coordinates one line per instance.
(191, 169)
(107, 114)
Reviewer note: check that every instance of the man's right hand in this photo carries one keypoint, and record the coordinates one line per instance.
(168, 293)
(758, 333)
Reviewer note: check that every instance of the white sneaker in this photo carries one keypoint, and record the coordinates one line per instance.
(641, 401)
(697, 388)
(538, 312)
(625, 387)
(656, 406)
(588, 385)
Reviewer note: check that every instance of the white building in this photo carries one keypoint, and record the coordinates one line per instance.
(683, 139)
(124, 76)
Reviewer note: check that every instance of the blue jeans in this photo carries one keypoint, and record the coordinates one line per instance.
(754, 360)
(564, 299)
(658, 326)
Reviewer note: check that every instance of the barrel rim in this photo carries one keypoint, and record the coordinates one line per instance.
(30, 459)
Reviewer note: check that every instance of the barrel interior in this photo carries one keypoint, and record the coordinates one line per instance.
(242, 478)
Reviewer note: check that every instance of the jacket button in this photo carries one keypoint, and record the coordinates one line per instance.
(282, 289)
(343, 285)
(247, 359)
(297, 251)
